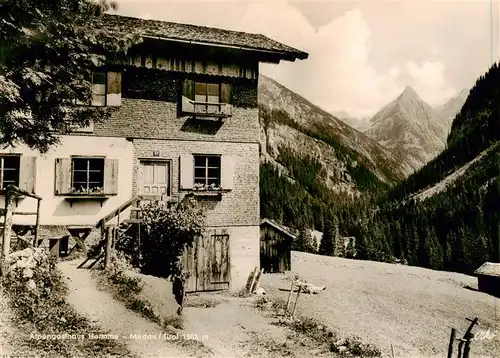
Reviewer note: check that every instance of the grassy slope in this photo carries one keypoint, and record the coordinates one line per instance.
(409, 307)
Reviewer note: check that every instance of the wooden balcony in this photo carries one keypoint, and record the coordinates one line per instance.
(206, 109)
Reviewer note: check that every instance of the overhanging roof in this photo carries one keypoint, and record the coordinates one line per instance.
(488, 269)
(278, 227)
(202, 35)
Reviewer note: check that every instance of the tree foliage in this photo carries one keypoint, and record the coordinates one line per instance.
(47, 52)
(328, 240)
(304, 241)
(167, 231)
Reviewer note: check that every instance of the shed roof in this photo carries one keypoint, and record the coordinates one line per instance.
(488, 269)
(278, 227)
(53, 231)
(204, 35)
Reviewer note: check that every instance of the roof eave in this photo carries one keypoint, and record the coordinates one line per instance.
(283, 55)
(278, 227)
(486, 274)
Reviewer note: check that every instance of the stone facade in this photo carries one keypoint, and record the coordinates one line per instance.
(141, 129)
(237, 207)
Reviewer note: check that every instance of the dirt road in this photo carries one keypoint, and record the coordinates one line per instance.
(235, 329)
(144, 338)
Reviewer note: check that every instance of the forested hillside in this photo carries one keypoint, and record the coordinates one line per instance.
(444, 216)
(300, 187)
(455, 225)
(313, 164)
(474, 129)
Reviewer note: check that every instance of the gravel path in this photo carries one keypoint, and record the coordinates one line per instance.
(234, 328)
(113, 317)
(409, 307)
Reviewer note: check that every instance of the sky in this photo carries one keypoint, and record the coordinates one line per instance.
(362, 54)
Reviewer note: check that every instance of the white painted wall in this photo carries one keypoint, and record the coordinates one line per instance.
(244, 254)
(55, 210)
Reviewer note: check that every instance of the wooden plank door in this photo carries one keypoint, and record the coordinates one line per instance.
(219, 262)
(209, 263)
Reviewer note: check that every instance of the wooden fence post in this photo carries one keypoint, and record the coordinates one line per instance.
(296, 300)
(468, 336)
(7, 230)
(467, 348)
(254, 273)
(289, 298)
(452, 339)
(256, 284)
(109, 245)
(37, 223)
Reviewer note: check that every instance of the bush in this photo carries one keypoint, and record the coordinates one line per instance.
(37, 293)
(116, 273)
(142, 307)
(167, 231)
(35, 286)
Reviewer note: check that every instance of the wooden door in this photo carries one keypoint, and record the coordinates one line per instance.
(209, 263)
(154, 178)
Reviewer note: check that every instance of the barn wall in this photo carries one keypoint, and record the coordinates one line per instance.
(274, 250)
(489, 285)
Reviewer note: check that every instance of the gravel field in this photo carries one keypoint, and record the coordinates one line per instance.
(411, 308)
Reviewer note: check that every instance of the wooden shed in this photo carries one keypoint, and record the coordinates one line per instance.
(488, 278)
(275, 246)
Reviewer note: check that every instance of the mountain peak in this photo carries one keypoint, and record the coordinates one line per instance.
(409, 92)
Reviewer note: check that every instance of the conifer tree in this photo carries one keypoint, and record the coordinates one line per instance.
(327, 244)
(304, 241)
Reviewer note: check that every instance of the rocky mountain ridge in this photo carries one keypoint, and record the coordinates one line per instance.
(412, 129)
(306, 129)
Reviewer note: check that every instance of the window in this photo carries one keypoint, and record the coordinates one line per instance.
(98, 88)
(88, 175)
(206, 99)
(206, 93)
(155, 177)
(9, 171)
(207, 170)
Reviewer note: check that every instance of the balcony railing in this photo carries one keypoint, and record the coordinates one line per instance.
(206, 109)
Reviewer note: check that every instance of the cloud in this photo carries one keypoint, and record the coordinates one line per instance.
(430, 82)
(338, 75)
(361, 58)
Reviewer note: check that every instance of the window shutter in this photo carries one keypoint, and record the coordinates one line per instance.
(187, 94)
(227, 172)
(140, 178)
(225, 93)
(27, 175)
(187, 171)
(111, 176)
(63, 176)
(114, 89)
(188, 89)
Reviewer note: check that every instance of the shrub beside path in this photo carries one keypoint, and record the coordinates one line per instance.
(6, 326)
(113, 316)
